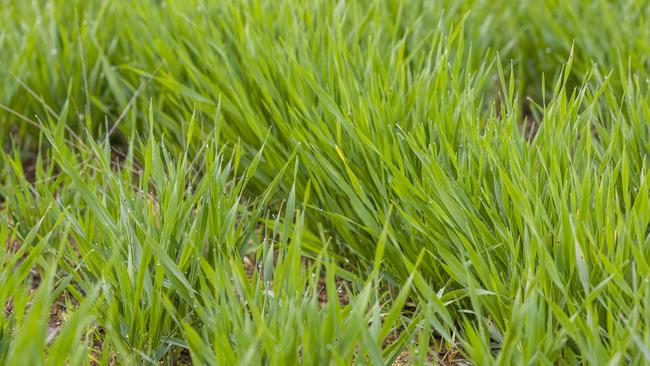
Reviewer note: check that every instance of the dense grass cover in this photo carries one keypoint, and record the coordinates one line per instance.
(324, 182)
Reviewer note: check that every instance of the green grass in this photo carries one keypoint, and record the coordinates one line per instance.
(470, 177)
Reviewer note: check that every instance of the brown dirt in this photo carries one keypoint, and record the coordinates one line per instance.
(530, 123)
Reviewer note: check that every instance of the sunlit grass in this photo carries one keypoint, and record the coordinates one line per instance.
(471, 178)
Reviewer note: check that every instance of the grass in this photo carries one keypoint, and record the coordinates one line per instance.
(319, 182)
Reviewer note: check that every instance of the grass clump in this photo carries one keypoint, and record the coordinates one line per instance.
(206, 183)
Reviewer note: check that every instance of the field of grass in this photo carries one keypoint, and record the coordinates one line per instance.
(323, 182)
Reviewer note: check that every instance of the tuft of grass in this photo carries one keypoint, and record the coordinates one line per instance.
(470, 176)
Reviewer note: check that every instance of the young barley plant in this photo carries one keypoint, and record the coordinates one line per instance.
(325, 182)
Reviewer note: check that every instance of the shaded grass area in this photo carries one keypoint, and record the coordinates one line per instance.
(475, 172)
